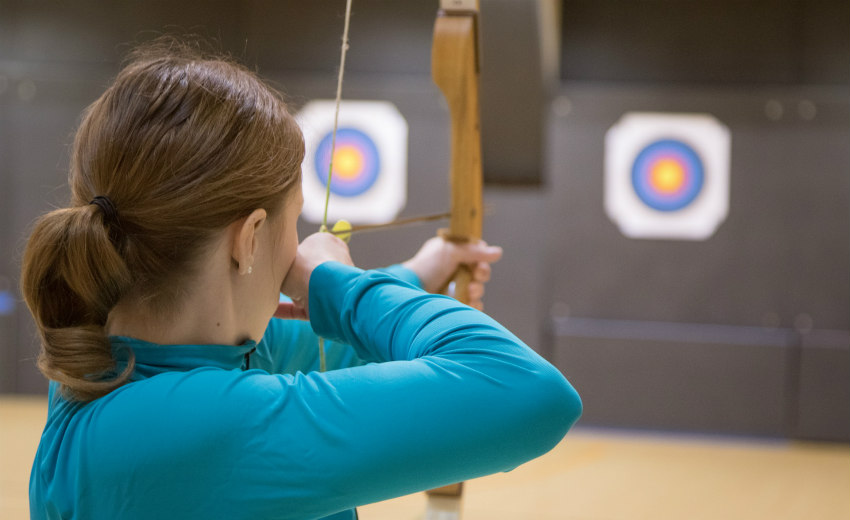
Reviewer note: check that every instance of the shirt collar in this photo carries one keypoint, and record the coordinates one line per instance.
(154, 358)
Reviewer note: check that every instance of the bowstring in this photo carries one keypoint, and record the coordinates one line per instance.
(324, 227)
(343, 52)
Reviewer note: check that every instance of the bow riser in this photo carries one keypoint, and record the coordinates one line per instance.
(454, 66)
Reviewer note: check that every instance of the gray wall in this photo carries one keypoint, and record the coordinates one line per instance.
(744, 333)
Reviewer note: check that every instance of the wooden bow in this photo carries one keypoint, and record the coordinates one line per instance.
(455, 68)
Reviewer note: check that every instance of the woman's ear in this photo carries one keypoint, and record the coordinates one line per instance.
(245, 241)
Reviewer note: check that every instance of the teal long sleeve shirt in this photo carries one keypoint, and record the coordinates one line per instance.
(433, 392)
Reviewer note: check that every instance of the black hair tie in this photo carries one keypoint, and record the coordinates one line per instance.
(110, 214)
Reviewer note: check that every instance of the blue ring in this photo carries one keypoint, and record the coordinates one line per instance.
(366, 178)
(681, 153)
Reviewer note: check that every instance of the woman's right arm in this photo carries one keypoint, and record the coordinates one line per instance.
(455, 397)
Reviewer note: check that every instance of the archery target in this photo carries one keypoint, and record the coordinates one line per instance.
(667, 175)
(369, 182)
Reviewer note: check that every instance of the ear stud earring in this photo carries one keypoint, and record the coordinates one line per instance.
(250, 269)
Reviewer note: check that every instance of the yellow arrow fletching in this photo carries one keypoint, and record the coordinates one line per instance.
(342, 229)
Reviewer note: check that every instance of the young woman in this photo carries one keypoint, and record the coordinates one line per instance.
(175, 394)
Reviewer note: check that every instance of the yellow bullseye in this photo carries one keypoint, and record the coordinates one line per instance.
(667, 176)
(348, 162)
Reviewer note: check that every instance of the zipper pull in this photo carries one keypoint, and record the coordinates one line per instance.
(247, 363)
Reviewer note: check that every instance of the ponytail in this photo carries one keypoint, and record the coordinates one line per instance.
(71, 279)
(183, 143)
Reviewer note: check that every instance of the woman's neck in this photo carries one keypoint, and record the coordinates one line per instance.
(205, 313)
(201, 321)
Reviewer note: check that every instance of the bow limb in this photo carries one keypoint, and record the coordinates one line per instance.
(454, 67)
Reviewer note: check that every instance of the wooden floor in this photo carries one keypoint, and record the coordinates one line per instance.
(591, 475)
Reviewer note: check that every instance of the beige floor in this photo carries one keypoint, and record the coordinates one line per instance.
(592, 475)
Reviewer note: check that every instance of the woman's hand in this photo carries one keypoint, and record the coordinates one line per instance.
(315, 250)
(438, 260)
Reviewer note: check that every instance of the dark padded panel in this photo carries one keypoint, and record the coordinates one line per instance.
(709, 42)
(677, 377)
(824, 398)
(513, 93)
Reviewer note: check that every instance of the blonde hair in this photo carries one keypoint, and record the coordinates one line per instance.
(183, 143)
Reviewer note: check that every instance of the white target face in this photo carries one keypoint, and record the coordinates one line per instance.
(369, 182)
(667, 175)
